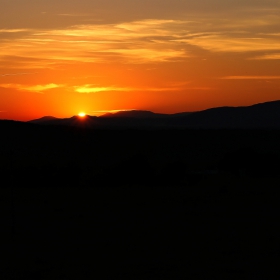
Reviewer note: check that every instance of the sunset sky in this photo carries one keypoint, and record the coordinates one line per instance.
(62, 57)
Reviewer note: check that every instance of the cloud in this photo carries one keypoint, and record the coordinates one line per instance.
(112, 111)
(142, 41)
(135, 42)
(73, 15)
(38, 88)
(13, 30)
(35, 88)
(223, 43)
(94, 89)
(273, 56)
(88, 88)
(15, 74)
(251, 78)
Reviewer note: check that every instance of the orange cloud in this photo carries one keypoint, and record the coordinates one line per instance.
(15, 74)
(251, 78)
(13, 30)
(35, 88)
(273, 56)
(135, 42)
(88, 88)
(94, 89)
(225, 43)
(100, 112)
(138, 42)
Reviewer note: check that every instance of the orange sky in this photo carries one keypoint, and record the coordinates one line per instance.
(165, 56)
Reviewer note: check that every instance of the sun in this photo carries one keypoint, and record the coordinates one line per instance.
(82, 114)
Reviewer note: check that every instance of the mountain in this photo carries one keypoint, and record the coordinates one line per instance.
(44, 119)
(134, 114)
(259, 116)
(73, 121)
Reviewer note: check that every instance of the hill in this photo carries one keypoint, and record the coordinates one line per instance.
(259, 116)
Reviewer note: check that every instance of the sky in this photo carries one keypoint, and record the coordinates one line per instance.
(63, 57)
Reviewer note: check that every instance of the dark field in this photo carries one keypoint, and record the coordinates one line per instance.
(132, 204)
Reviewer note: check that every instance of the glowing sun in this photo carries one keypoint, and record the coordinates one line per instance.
(82, 114)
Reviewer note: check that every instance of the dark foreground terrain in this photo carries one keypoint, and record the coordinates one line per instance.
(134, 204)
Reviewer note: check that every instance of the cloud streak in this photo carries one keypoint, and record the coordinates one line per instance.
(16, 74)
(134, 42)
(224, 43)
(13, 30)
(143, 41)
(99, 112)
(272, 56)
(34, 88)
(251, 78)
(88, 88)
(96, 89)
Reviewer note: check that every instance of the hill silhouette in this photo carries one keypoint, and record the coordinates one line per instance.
(46, 118)
(140, 114)
(259, 116)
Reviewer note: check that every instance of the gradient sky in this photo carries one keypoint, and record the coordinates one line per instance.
(62, 57)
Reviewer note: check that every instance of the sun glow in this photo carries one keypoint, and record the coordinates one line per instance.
(82, 114)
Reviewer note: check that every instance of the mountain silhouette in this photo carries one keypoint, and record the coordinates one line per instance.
(87, 121)
(44, 119)
(259, 116)
(134, 114)
(263, 115)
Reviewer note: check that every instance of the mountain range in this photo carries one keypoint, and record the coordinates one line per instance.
(259, 116)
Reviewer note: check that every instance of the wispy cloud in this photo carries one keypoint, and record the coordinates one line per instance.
(225, 43)
(35, 88)
(99, 112)
(251, 78)
(91, 88)
(273, 56)
(88, 88)
(13, 30)
(16, 74)
(144, 41)
(135, 42)
(73, 15)
(94, 89)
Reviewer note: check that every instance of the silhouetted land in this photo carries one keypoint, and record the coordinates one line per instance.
(259, 116)
(78, 203)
